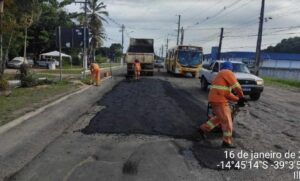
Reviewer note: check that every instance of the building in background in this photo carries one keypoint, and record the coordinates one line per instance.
(280, 65)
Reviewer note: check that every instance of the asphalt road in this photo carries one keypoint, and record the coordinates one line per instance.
(147, 130)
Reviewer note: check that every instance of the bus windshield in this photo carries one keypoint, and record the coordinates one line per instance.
(189, 58)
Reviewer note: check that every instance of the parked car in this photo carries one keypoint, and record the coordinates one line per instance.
(45, 62)
(18, 61)
(251, 84)
(159, 64)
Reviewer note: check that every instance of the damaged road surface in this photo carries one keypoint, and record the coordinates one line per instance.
(147, 130)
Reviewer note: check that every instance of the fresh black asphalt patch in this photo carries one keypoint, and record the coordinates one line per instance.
(148, 106)
(154, 107)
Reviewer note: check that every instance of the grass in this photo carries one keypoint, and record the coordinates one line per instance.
(23, 100)
(105, 65)
(281, 82)
(64, 71)
(68, 66)
(75, 69)
(9, 76)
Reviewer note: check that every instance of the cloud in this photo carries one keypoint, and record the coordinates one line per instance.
(202, 20)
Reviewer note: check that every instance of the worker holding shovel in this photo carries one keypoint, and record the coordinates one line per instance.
(219, 95)
(95, 73)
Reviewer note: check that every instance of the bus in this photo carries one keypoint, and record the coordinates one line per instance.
(184, 59)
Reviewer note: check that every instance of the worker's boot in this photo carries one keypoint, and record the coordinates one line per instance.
(227, 145)
(202, 134)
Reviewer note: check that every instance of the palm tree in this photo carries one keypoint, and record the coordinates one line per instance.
(95, 17)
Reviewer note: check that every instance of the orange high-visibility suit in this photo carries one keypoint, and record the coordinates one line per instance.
(137, 69)
(95, 73)
(218, 97)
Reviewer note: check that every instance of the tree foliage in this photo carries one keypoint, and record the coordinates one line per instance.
(290, 45)
(116, 51)
(96, 15)
(43, 33)
(18, 15)
(41, 18)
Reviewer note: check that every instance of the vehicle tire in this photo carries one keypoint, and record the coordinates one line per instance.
(255, 97)
(204, 84)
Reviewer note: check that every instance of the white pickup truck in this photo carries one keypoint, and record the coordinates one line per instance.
(251, 84)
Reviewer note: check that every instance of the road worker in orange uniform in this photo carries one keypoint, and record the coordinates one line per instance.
(137, 69)
(95, 73)
(219, 95)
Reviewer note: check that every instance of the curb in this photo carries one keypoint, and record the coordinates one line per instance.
(25, 117)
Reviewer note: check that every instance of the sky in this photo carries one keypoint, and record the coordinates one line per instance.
(201, 21)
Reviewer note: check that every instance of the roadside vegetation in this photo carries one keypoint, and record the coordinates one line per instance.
(281, 82)
(26, 99)
(37, 88)
(34, 91)
(35, 22)
(75, 69)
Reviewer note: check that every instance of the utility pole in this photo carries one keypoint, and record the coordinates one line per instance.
(182, 36)
(162, 50)
(85, 2)
(25, 45)
(84, 39)
(2, 64)
(167, 46)
(259, 38)
(220, 44)
(122, 29)
(60, 57)
(178, 30)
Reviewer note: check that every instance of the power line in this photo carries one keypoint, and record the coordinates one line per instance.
(114, 21)
(201, 12)
(234, 9)
(254, 35)
(217, 13)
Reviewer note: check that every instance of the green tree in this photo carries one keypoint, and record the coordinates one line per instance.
(95, 16)
(42, 34)
(290, 45)
(116, 50)
(18, 16)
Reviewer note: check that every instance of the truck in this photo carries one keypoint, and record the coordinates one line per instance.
(142, 50)
(252, 85)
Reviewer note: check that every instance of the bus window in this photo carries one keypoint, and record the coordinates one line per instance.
(189, 58)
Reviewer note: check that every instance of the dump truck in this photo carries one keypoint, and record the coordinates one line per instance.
(142, 50)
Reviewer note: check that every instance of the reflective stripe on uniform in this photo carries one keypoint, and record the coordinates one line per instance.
(227, 133)
(210, 124)
(220, 87)
(235, 85)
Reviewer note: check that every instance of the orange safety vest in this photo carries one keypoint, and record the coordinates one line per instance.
(222, 85)
(137, 66)
(94, 67)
